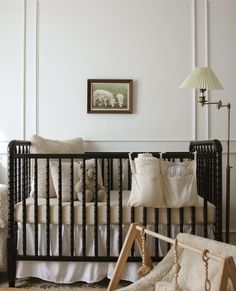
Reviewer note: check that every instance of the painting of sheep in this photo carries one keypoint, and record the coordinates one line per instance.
(103, 98)
(109, 96)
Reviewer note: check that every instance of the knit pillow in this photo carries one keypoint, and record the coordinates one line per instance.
(40, 145)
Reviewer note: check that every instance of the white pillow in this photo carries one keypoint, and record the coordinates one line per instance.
(40, 145)
(146, 187)
(179, 183)
(65, 178)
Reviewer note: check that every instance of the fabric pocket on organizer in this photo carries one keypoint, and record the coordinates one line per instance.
(146, 187)
(179, 183)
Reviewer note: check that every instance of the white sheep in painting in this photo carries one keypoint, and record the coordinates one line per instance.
(102, 97)
(120, 98)
(113, 102)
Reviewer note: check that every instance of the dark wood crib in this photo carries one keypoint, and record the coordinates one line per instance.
(116, 175)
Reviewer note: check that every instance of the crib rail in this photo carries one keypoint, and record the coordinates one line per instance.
(116, 175)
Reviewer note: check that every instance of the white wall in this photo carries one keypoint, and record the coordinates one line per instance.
(51, 48)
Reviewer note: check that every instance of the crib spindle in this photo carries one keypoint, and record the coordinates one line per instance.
(19, 177)
(168, 212)
(24, 205)
(47, 208)
(112, 188)
(36, 207)
(132, 211)
(84, 208)
(129, 176)
(205, 191)
(120, 204)
(72, 207)
(144, 216)
(108, 207)
(15, 182)
(96, 208)
(193, 220)
(59, 208)
(181, 212)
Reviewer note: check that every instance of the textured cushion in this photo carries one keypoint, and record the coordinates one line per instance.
(192, 272)
(41, 145)
(65, 178)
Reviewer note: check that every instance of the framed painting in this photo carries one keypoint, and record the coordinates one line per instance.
(109, 96)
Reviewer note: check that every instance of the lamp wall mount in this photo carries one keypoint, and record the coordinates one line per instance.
(203, 101)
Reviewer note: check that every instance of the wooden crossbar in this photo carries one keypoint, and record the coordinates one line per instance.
(228, 269)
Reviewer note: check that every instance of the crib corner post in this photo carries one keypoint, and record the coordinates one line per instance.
(11, 239)
(11, 261)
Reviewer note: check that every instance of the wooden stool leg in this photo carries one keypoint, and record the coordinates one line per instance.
(131, 235)
(228, 272)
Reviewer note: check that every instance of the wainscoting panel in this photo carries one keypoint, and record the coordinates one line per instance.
(81, 47)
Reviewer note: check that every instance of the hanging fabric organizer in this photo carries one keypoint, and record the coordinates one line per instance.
(162, 184)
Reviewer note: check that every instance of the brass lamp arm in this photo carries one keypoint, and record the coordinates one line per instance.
(219, 103)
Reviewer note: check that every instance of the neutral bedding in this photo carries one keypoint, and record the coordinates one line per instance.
(114, 212)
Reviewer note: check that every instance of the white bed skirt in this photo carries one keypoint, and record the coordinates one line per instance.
(90, 272)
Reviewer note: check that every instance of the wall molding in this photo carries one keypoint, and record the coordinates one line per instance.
(139, 140)
(23, 100)
(136, 140)
(194, 107)
(37, 75)
(206, 40)
(37, 67)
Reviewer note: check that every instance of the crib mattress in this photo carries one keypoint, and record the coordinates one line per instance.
(114, 212)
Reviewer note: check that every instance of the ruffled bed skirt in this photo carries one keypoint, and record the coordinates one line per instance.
(70, 272)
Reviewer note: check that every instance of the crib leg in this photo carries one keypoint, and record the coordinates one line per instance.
(11, 262)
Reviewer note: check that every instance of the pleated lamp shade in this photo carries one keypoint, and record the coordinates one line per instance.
(202, 78)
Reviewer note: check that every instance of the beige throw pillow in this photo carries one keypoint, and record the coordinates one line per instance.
(40, 145)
